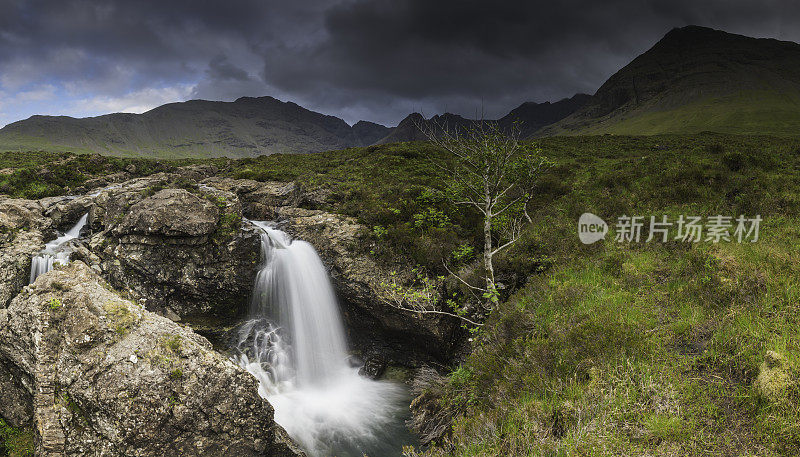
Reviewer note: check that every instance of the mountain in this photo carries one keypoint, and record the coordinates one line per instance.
(369, 132)
(196, 128)
(533, 116)
(697, 79)
(411, 128)
(530, 115)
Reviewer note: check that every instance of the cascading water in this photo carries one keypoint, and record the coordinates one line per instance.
(55, 252)
(295, 346)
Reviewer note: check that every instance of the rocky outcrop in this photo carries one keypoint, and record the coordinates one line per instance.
(97, 374)
(182, 249)
(260, 200)
(21, 226)
(364, 289)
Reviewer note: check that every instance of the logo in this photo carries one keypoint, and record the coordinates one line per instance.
(591, 228)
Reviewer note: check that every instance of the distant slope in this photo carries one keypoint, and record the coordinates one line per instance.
(697, 79)
(533, 116)
(530, 116)
(196, 128)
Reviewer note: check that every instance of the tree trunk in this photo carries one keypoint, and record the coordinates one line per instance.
(487, 251)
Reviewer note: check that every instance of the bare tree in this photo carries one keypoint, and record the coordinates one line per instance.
(489, 168)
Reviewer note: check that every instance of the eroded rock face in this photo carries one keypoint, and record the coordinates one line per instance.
(21, 227)
(183, 251)
(99, 375)
(260, 200)
(373, 324)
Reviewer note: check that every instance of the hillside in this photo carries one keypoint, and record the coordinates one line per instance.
(616, 348)
(196, 128)
(697, 79)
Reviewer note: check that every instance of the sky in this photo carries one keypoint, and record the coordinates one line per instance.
(377, 60)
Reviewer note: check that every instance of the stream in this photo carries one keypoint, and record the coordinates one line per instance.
(295, 346)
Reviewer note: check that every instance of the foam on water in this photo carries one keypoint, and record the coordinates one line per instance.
(56, 252)
(295, 346)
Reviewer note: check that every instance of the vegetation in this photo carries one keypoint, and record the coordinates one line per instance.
(15, 442)
(45, 174)
(611, 348)
(745, 112)
(490, 170)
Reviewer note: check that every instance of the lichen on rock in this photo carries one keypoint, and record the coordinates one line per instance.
(97, 374)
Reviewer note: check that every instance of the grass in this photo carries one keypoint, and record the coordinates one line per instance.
(753, 112)
(610, 348)
(648, 348)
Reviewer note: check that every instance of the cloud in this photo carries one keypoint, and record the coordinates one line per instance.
(133, 102)
(359, 59)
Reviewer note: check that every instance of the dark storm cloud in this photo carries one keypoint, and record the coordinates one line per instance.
(377, 59)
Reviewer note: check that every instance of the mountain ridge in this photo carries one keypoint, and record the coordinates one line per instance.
(245, 127)
(697, 79)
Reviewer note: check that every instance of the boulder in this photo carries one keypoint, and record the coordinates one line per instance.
(184, 252)
(96, 374)
(64, 211)
(170, 213)
(18, 214)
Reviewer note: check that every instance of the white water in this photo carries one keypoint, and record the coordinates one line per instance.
(295, 346)
(55, 252)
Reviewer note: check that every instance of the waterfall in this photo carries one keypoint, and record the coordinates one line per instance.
(295, 346)
(56, 252)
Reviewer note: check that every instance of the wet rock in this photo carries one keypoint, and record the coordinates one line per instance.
(97, 374)
(374, 367)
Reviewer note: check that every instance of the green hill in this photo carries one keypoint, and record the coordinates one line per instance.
(697, 79)
(196, 128)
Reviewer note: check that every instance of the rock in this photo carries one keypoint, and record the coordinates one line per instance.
(15, 263)
(21, 237)
(260, 200)
(374, 367)
(70, 343)
(170, 213)
(196, 173)
(774, 377)
(179, 249)
(17, 404)
(19, 214)
(65, 212)
(361, 285)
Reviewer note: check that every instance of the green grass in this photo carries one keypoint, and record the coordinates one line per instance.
(644, 349)
(606, 349)
(755, 112)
